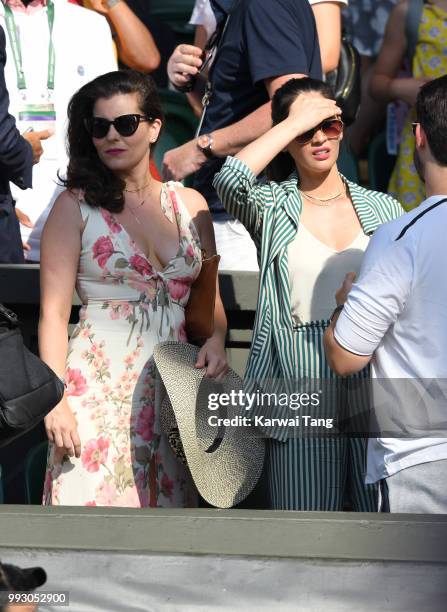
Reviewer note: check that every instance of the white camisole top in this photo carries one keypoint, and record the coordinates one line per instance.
(316, 272)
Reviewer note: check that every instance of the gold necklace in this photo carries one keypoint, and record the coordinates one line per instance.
(138, 189)
(135, 208)
(311, 197)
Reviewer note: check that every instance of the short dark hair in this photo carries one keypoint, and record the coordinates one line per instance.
(431, 113)
(86, 171)
(283, 165)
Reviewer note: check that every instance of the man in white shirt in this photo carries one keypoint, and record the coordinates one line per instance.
(395, 316)
(54, 48)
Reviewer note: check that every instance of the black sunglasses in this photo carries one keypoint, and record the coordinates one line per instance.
(413, 127)
(331, 128)
(125, 125)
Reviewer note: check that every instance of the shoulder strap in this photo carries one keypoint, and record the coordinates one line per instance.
(414, 14)
(213, 47)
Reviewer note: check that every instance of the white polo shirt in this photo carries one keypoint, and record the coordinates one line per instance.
(397, 310)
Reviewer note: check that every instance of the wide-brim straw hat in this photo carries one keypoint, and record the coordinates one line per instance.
(225, 462)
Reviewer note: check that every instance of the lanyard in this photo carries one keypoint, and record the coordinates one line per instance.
(16, 47)
(212, 47)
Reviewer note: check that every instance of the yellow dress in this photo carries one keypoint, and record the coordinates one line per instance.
(430, 61)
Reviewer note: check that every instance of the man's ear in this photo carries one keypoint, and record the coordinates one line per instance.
(420, 137)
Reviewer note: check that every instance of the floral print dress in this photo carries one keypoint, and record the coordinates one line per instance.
(129, 306)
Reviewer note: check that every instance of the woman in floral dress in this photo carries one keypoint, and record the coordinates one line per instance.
(132, 247)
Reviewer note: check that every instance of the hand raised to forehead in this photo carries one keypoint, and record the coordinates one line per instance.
(309, 110)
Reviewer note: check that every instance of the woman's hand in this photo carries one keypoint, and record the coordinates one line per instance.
(308, 111)
(62, 429)
(212, 356)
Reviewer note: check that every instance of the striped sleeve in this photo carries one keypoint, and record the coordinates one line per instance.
(241, 194)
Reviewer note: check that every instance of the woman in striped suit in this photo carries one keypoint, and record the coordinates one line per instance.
(311, 227)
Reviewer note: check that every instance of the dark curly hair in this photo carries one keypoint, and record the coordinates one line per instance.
(283, 165)
(86, 171)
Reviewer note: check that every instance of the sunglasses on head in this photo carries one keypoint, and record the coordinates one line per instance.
(125, 125)
(331, 128)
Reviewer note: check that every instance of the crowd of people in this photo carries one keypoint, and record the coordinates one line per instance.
(268, 197)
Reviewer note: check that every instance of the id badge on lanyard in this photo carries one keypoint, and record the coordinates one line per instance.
(35, 115)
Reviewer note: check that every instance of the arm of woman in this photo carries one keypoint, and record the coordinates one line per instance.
(60, 251)
(384, 85)
(135, 44)
(212, 354)
(328, 21)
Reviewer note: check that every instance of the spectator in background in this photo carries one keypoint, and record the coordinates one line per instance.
(265, 43)
(134, 42)
(365, 22)
(146, 48)
(61, 46)
(16, 159)
(428, 62)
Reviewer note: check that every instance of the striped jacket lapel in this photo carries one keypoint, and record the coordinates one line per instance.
(287, 214)
(366, 206)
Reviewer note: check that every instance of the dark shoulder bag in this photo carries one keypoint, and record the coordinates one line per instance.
(29, 389)
(345, 80)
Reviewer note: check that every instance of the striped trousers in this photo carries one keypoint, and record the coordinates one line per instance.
(325, 473)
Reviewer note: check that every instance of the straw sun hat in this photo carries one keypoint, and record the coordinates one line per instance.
(225, 462)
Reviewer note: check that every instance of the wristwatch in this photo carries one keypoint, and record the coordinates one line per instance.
(204, 144)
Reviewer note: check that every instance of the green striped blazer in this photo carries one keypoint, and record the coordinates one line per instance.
(271, 213)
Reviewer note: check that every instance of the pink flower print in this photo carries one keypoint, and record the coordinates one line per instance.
(106, 494)
(167, 486)
(190, 251)
(141, 265)
(76, 384)
(114, 314)
(91, 503)
(145, 423)
(129, 499)
(95, 453)
(102, 250)
(114, 227)
(182, 332)
(178, 289)
(126, 309)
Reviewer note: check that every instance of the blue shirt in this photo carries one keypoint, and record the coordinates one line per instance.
(264, 39)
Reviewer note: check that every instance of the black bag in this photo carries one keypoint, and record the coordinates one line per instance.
(345, 80)
(29, 389)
